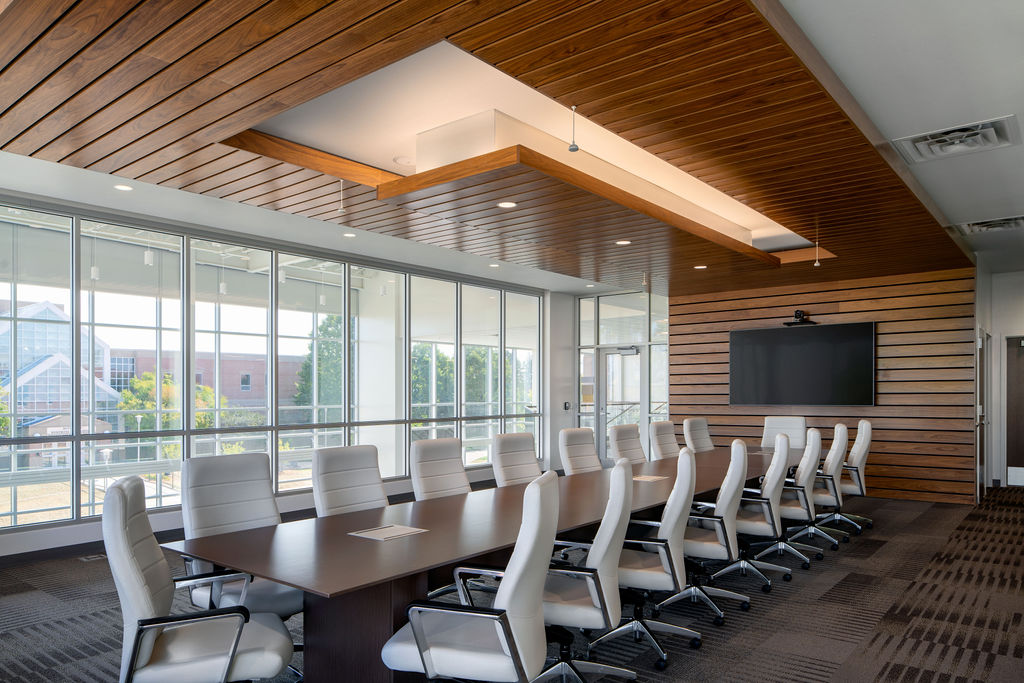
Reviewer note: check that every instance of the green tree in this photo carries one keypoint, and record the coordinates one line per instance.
(140, 396)
(5, 421)
(420, 377)
(330, 366)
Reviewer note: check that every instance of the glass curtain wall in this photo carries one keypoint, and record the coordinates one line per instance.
(278, 353)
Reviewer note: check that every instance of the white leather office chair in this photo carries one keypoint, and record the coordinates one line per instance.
(625, 443)
(826, 491)
(212, 646)
(663, 440)
(437, 469)
(696, 434)
(797, 502)
(514, 459)
(578, 450)
(793, 426)
(760, 509)
(347, 479)
(852, 483)
(655, 563)
(587, 596)
(713, 536)
(226, 493)
(502, 643)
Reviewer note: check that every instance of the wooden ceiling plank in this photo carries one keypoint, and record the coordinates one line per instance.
(24, 21)
(88, 103)
(377, 44)
(300, 155)
(210, 169)
(506, 24)
(229, 175)
(72, 32)
(118, 42)
(284, 181)
(317, 183)
(201, 156)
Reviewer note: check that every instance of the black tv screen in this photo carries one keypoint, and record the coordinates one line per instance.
(831, 365)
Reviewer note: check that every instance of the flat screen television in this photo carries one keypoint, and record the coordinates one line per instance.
(818, 365)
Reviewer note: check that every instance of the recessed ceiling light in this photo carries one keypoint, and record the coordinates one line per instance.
(623, 242)
(700, 267)
(124, 188)
(495, 265)
(348, 234)
(589, 286)
(506, 205)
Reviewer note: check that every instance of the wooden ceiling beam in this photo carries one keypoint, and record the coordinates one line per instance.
(308, 157)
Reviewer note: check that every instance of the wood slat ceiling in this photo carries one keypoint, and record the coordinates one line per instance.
(148, 90)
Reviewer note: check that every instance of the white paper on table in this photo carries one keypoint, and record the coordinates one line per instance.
(648, 477)
(387, 532)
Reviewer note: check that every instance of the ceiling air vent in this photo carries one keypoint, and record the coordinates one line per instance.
(1014, 223)
(966, 139)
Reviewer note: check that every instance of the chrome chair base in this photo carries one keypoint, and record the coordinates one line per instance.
(572, 672)
(795, 549)
(757, 568)
(704, 594)
(856, 521)
(642, 628)
(815, 530)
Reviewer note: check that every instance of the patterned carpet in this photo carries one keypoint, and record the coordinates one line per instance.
(932, 593)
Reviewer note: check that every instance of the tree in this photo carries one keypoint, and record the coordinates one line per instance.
(330, 366)
(5, 421)
(140, 396)
(420, 376)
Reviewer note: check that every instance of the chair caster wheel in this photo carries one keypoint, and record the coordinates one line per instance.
(787, 577)
(694, 643)
(718, 621)
(806, 565)
(766, 588)
(820, 556)
(660, 664)
(870, 525)
(846, 539)
(564, 555)
(857, 532)
(655, 613)
(835, 546)
(637, 637)
(745, 606)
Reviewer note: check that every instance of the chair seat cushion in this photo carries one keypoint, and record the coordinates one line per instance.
(848, 488)
(459, 648)
(703, 543)
(196, 653)
(824, 498)
(262, 596)
(790, 508)
(567, 602)
(750, 520)
(639, 569)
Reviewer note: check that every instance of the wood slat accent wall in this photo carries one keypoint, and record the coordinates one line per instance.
(923, 420)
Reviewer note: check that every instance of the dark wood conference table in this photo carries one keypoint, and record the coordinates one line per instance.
(356, 589)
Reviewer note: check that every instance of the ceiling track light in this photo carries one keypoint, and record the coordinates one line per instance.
(573, 147)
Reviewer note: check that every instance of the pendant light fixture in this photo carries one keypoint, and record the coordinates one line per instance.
(222, 284)
(148, 257)
(573, 147)
(323, 295)
(341, 196)
(817, 261)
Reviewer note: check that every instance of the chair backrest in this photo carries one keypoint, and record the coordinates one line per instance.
(514, 459)
(607, 547)
(663, 440)
(696, 435)
(578, 450)
(808, 467)
(140, 571)
(521, 590)
(437, 468)
(225, 493)
(728, 501)
(833, 466)
(861, 446)
(795, 427)
(625, 443)
(677, 512)
(346, 479)
(775, 478)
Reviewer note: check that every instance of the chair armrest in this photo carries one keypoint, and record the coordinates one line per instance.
(572, 544)
(756, 492)
(703, 506)
(419, 608)
(193, 580)
(717, 520)
(661, 542)
(241, 614)
(850, 468)
(754, 499)
(708, 518)
(587, 574)
(464, 574)
(646, 522)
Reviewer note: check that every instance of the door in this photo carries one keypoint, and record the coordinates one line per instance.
(981, 412)
(621, 392)
(1015, 411)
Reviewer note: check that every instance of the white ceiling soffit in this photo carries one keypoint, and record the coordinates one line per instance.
(376, 119)
(932, 65)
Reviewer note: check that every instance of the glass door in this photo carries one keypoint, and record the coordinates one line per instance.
(621, 392)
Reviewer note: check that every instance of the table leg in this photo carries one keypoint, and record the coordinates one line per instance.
(343, 635)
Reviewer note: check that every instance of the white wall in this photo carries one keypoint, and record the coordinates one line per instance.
(1007, 320)
(559, 371)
